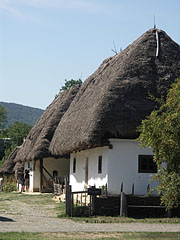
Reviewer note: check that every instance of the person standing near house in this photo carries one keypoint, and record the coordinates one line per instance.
(22, 181)
(1, 180)
(26, 178)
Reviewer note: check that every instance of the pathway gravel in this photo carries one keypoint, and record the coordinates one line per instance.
(19, 217)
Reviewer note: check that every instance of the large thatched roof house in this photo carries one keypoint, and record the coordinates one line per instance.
(35, 149)
(99, 127)
(113, 100)
(91, 130)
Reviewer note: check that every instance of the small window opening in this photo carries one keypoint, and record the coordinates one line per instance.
(146, 164)
(55, 173)
(74, 165)
(100, 164)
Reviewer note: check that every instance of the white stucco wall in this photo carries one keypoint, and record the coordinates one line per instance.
(77, 180)
(31, 174)
(123, 167)
(120, 164)
(61, 165)
(35, 176)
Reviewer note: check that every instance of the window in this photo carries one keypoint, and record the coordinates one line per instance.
(100, 164)
(55, 173)
(74, 165)
(146, 164)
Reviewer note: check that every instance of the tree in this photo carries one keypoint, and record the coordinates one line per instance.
(17, 132)
(70, 83)
(3, 117)
(161, 131)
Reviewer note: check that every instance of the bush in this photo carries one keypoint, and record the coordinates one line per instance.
(9, 187)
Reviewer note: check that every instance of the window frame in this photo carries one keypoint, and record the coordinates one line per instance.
(100, 164)
(148, 161)
(74, 165)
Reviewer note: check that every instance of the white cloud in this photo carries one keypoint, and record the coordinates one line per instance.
(82, 4)
(7, 7)
(14, 6)
(24, 9)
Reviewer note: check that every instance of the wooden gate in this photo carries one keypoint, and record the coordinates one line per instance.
(81, 203)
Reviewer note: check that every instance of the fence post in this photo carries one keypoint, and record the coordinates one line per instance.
(123, 205)
(106, 193)
(133, 189)
(148, 189)
(68, 198)
(93, 204)
(169, 213)
(71, 202)
(121, 187)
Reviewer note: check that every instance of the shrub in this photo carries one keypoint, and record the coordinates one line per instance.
(9, 187)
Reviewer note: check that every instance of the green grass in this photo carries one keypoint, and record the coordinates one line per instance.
(105, 219)
(41, 200)
(88, 236)
(25, 198)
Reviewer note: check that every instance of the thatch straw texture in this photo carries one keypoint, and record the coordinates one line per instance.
(37, 143)
(112, 101)
(19, 166)
(8, 165)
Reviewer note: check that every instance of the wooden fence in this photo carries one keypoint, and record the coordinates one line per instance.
(81, 203)
(59, 185)
(91, 202)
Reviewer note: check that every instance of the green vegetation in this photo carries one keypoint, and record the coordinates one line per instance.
(118, 219)
(69, 83)
(3, 117)
(161, 131)
(15, 135)
(87, 236)
(16, 112)
(28, 199)
(9, 187)
(31, 200)
(17, 132)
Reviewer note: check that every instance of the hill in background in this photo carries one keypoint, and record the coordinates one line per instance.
(21, 113)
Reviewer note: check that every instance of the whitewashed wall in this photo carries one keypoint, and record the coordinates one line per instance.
(35, 182)
(51, 164)
(31, 174)
(123, 167)
(61, 165)
(77, 180)
(119, 164)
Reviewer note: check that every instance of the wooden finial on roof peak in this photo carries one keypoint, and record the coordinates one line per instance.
(154, 22)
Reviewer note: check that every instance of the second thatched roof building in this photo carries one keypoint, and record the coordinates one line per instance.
(99, 127)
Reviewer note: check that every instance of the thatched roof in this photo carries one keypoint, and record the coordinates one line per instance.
(112, 101)
(8, 165)
(19, 166)
(36, 145)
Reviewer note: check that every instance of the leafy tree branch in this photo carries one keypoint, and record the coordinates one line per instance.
(161, 131)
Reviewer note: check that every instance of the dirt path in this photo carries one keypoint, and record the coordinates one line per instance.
(16, 216)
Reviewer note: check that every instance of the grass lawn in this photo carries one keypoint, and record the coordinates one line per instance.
(86, 236)
(104, 219)
(26, 198)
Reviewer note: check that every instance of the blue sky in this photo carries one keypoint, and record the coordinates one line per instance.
(44, 42)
